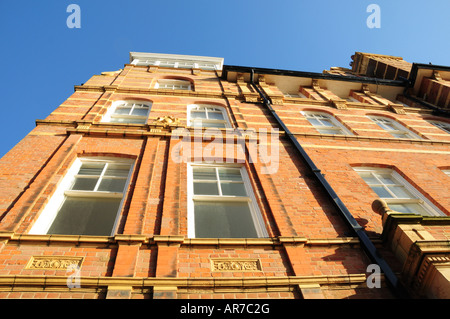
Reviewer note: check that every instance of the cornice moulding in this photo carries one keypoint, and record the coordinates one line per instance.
(175, 239)
(48, 282)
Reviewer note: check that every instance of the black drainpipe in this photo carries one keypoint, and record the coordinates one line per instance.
(365, 241)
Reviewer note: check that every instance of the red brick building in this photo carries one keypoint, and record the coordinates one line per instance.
(180, 177)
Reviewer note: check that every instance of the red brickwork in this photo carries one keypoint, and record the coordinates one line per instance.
(308, 239)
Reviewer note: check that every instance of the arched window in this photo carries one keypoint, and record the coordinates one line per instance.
(325, 123)
(392, 127)
(397, 192)
(442, 125)
(173, 84)
(206, 115)
(88, 200)
(135, 112)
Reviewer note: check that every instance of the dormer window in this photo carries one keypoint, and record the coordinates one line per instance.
(176, 61)
(171, 84)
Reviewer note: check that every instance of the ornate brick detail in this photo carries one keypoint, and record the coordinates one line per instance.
(167, 120)
(339, 104)
(427, 262)
(230, 264)
(397, 108)
(53, 262)
(84, 126)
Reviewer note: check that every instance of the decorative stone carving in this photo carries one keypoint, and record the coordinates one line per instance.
(246, 93)
(339, 104)
(84, 126)
(437, 76)
(276, 100)
(365, 90)
(315, 85)
(166, 120)
(241, 265)
(397, 108)
(428, 261)
(53, 262)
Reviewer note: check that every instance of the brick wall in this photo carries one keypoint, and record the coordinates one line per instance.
(308, 240)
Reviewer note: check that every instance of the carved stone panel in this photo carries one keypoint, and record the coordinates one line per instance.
(235, 264)
(53, 262)
(166, 120)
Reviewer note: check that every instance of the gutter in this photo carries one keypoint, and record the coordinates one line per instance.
(412, 80)
(314, 75)
(367, 245)
(416, 66)
(436, 110)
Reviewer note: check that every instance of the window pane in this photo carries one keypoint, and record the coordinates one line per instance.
(314, 122)
(370, 180)
(443, 126)
(383, 193)
(400, 192)
(386, 126)
(214, 124)
(197, 124)
(167, 64)
(140, 111)
(128, 120)
(327, 122)
(408, 208)
(230, 174)
(233, 189)
(215, 116)
(198, 114)
(86, 216)
(325, 131)
(84, 184)
(117, 170)
(223, 220)
(91, 169)
(204, 173)
(387, 179)
(112, 185)
(122, 110)
(397, 135)
(202, 188)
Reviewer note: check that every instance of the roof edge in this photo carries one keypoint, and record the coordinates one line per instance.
(315, 75)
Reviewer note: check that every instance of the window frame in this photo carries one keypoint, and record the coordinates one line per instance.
(51, 210)
(225, 121)
(420, 199)
(337, 126)
(183, 87)
(116, 104)
(295, 95)
(398, 128)
(352, 99)
(255, 212)
(177, 64)
(443, 126)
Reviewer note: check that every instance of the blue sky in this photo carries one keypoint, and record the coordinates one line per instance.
(42, 59)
